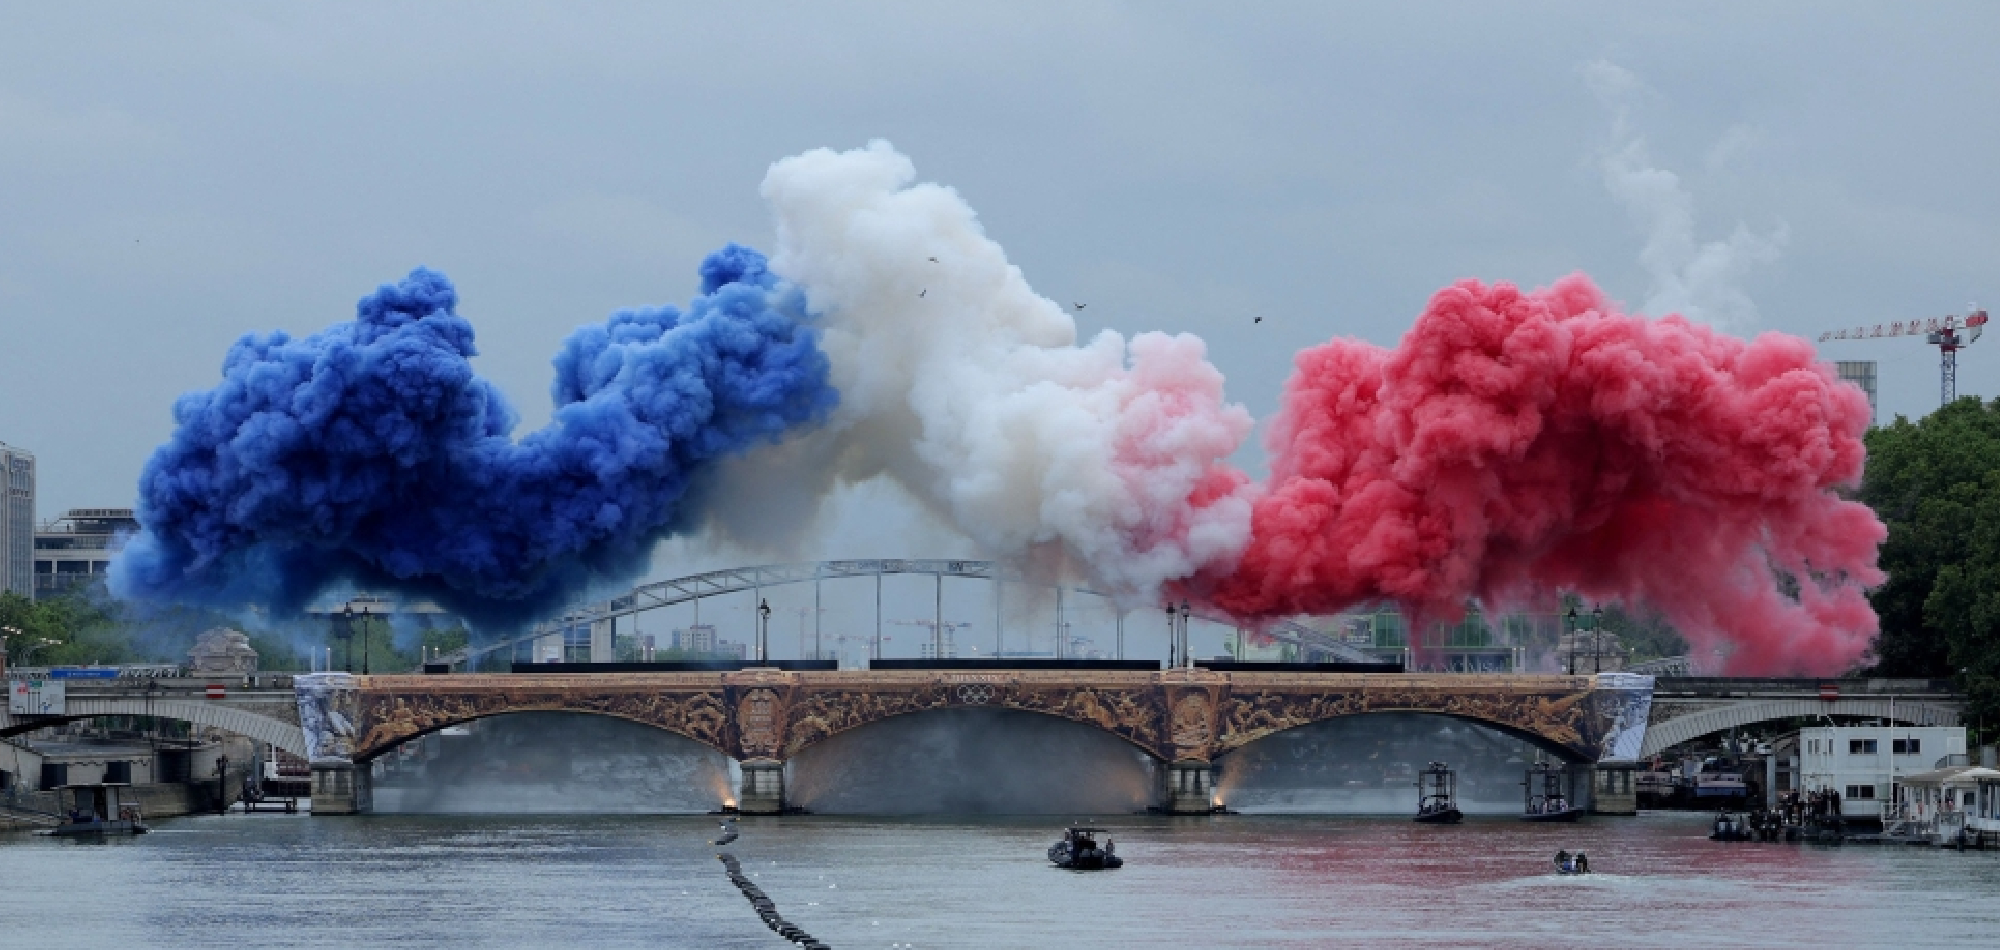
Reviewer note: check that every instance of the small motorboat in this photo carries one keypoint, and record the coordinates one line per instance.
(1548, 794)
(1437, 795)
(1730, 826)
(1078, 851)
(94, 810)
(1567, 863)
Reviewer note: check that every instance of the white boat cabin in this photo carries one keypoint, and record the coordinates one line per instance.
(1937, 804)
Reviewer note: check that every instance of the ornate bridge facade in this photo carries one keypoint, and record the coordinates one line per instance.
(1184, 718)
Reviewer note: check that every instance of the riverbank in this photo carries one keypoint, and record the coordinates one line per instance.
(34, 810)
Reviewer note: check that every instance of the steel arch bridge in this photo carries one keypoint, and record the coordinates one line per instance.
(694, 587)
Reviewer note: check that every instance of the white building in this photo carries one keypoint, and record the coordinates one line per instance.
(702, 640)
(1862, 763)
(699, 638)
(76, 549)
(1861, 373)
(929, 650)
(17, 521)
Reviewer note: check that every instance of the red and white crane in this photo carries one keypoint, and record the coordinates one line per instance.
(1947, 333)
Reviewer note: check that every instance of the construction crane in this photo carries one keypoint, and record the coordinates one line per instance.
(940, 631)
(1945, 333)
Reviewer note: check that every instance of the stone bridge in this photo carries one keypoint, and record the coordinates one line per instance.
(267, 711)
(1183, 718)
(1688, 708)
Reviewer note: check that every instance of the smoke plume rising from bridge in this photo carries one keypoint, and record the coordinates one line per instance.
(371, 452)
(1517, 444)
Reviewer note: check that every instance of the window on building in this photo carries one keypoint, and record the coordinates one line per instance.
(1906, 746)
(1860, 747)
(1861, 791)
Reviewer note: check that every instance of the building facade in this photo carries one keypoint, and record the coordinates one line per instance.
(76, 549)
(1862, 763)
(17, 521)
(1861, 373)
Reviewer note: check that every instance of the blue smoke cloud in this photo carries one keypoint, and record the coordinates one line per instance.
(371, 453)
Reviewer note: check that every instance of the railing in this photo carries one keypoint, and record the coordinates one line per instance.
(681, 590)
(133, 671)
(1666, 666)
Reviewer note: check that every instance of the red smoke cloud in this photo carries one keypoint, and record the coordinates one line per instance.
(1518, 444)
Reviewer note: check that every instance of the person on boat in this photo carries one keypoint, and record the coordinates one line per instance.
(1582, 863)
(1110, 846)
(1562, 860)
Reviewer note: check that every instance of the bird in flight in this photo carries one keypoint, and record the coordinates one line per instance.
(924, 291)
(1080, 306)
(1258, 320)
(933, 260)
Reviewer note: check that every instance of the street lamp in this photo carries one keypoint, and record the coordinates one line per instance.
(6, 632)
(1569, 628)
(763, 630)
(364, 641)
(1593, 622)
(1597, 639)
(1187, 657)
(34, 645)
(345, 634)
(1173, 636)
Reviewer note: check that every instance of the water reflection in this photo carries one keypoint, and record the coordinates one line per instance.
(1368, 765)
(964, 761)
(551, 763)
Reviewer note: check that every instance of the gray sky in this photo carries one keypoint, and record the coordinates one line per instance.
(172, 176)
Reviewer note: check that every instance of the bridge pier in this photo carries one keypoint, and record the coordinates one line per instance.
(340, 788)
(1188, 787)
(1611, 789)
(763, 789)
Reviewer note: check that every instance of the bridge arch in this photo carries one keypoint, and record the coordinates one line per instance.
(1240, 741)
(276, 732)
(985, 759)
(391, 718)
(1665, 734)
(812, 726)
(384, 745)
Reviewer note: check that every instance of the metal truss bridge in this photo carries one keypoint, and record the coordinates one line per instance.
(694, 587)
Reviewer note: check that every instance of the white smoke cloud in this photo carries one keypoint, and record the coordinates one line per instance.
(1702, 281)
(956, 380)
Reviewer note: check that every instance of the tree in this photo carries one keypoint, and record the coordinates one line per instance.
(1936, 484)
(68, 628)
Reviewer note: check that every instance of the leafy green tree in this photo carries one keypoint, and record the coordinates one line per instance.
(1963, 609)
(1936, 484)
(70, 628)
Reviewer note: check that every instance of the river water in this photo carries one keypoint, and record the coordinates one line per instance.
(578, 881)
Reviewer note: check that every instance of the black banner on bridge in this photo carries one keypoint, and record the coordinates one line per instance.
(1012, 663)
(703, 666)
(1226, 666)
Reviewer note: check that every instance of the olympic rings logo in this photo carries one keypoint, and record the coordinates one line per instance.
(975, 693)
